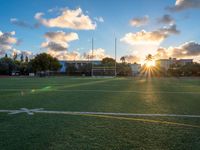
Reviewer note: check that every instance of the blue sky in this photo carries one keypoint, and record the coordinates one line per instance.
(116, 15)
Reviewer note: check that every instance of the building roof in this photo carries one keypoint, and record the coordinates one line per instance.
(163, 60)
(185, 60)
(79, 61)
(174, 59)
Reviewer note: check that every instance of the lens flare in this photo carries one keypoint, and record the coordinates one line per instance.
(150, 64)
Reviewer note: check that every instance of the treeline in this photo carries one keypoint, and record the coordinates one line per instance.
(45, 64)
(41, 63)
(189, 69)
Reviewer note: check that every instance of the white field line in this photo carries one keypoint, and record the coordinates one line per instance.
(40, 110)
(105, 91)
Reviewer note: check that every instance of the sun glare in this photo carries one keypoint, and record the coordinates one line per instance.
(150, 63)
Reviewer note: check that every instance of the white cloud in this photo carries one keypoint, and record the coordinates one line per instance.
(65, 55)
(186, 50)
(137, 22)
(143, 37)
(162, 53)
(99, 19)
(132, 58)
(97, 54)
(7, 40)
(13, 51)
(21, 52)
(72, 19)
(58, 41)
(57, 44)
(149, 38)
(172, 29)
(54, 46)
(166, 19)
(61, 36)
(185, 4)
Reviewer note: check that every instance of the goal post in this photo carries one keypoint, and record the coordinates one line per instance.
(103, 71)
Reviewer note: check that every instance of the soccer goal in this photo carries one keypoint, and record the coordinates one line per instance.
(103, 71)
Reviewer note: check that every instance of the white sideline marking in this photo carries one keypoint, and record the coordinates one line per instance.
(22, 110)
(106, 91)
(40, 110)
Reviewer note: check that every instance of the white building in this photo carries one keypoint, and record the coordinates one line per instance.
(166, 63)
(135, 68)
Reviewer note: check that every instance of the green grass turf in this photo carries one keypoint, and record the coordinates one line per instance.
(49, 131)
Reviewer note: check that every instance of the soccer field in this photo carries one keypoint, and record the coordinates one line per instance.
(99, 113)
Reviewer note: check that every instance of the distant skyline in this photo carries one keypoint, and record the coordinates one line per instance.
(64, 28)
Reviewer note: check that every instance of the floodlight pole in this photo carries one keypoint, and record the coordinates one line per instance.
(115, 57)
(92, 55)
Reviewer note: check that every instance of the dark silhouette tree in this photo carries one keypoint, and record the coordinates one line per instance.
(123, 59)
(15, 56)
(26, 59)
(22, 58)
(149, 58)
(6, 66)
(123, 69)
(108, 61)
(44, 62)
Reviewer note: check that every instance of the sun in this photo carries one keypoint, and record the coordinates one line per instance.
(150, 64)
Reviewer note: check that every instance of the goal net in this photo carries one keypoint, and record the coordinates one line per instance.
(103, 71)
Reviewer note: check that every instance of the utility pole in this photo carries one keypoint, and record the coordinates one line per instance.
(115, 57)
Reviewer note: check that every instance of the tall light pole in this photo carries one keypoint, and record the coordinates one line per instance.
(92, 56)
(115, 57)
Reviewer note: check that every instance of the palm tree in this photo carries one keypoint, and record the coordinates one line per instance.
(148, 68)
(123, 59)
(149, 58)
(14, 56)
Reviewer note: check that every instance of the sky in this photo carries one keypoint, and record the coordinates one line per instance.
(65, 28)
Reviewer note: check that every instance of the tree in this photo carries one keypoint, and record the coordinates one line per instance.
(189, 69)
(123, 59)
(149, 58)
(44, 62)
(15, 56)
(54, 64)
(108, 61)
(6, 66)
(124, 69)
(22, 58)
(6, 55)
(26, 59)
